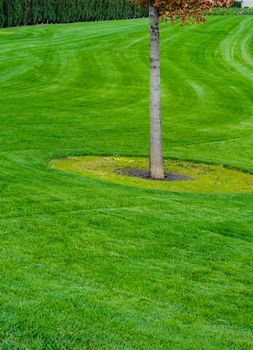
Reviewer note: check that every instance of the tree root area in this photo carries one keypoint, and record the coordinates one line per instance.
(144, 174)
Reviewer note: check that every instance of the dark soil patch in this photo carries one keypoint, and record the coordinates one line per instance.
(144, 174)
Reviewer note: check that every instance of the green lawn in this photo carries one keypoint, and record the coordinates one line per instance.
(88, 264)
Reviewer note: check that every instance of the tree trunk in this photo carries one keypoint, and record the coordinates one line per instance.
(156, 167)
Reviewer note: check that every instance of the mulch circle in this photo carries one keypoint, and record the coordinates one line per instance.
(144, 174)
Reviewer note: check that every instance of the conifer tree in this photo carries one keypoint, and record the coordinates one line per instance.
(1, 14)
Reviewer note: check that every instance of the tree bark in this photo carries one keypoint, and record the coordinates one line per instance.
(156, 167)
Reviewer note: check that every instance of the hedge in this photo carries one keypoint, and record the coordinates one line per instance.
(232, 11)
(28, 12)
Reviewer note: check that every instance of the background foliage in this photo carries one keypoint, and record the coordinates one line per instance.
(232, 11)
(27, 12)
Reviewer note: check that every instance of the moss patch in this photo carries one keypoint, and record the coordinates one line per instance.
(203, 178)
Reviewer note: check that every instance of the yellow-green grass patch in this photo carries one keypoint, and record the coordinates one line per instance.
(6, 33)
(196, 177)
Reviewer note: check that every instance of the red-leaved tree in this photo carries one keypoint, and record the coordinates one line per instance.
(188, 11)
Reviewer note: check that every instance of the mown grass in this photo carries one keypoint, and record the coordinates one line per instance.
(87, 264)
